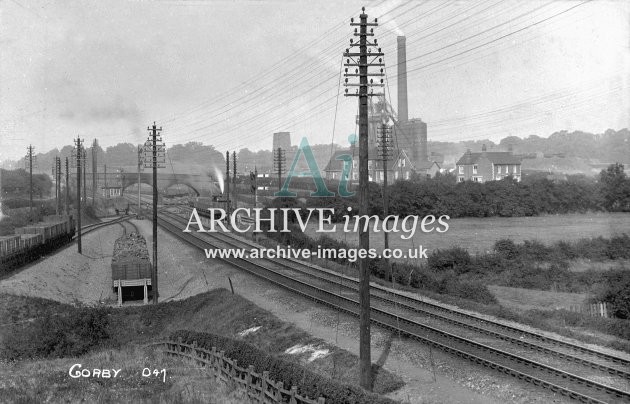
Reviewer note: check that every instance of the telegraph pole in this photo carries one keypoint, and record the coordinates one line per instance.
(279, 158)
(29, 155)
(53, 171)
(385, 154)
(78, 150)
(234, 178)
(84, 161)
(227, 181)
(139, 169)
(57, 174)
(155, 157)
(253, 187)
(67, 199)
(94, 170)
(361, 71)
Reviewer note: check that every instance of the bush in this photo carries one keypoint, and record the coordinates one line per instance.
(617, 293)
(455, 258)
(307, 382)
(67, 334)
(507, 248)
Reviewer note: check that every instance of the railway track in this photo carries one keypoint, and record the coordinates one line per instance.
(523, 354)
(95, 226)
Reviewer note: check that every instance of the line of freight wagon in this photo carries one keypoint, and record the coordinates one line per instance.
(33, 241)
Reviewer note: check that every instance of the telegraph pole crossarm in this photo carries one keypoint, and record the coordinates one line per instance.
(361, 70)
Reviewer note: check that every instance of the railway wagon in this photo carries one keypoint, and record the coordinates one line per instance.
(9, 244)
(33, 241)
(131, 267)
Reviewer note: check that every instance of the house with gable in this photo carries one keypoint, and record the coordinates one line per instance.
(488, 166)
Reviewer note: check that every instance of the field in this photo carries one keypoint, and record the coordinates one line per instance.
(480, 234)
(526, 299)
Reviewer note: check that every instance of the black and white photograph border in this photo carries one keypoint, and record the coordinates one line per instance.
(266, 201)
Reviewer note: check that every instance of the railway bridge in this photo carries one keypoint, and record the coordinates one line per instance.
(125, 179)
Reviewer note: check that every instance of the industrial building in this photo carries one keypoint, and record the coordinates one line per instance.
(409, 142)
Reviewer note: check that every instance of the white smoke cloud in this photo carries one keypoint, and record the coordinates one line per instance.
(219, 175)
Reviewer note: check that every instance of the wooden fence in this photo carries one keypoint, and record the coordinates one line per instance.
(259, 388)
(599, 309)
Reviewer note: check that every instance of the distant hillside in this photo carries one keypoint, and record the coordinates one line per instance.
(562, 151)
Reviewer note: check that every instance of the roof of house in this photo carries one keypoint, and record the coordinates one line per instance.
(425, 165)
(495, 157)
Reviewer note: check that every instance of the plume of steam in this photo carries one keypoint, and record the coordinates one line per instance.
(219, 176)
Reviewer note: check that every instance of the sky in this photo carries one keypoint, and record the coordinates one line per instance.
(231, 73)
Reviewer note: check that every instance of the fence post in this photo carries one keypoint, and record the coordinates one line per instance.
(221, 363)
(293, 394)
(250, 370)
(279, 387)
(214, 361)
(234, 374)
(263, 390)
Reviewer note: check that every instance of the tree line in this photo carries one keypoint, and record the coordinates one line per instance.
(443, 195)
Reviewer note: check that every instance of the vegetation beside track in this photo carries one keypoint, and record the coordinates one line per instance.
(57, 331)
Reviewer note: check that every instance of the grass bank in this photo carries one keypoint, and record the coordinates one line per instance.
(39, 330)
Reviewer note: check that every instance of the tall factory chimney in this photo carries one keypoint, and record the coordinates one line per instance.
(403, 114)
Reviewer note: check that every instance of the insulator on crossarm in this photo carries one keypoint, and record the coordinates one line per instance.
(351, 19)
(351, 41)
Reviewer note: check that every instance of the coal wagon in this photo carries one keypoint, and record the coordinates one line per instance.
(131, 267)
(35, 240)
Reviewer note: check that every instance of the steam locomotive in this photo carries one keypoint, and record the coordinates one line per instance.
(202, 204)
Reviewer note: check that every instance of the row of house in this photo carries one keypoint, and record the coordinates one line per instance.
(478, 167)
(488, 166)
(402, 167)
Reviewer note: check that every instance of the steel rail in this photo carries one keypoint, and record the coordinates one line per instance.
(416, 302)
(392, 321)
